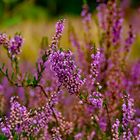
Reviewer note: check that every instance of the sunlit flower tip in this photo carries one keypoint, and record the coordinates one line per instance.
(55, 39)
(85, 13)
(60, 26)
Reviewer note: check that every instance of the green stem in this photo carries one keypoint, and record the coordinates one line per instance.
(85, 1)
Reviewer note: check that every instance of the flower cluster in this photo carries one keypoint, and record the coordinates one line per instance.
(128, 111)
(58, 34)
(45, 111)
(130, 39)
(95, 66)
(15, 45)
(4, 39)
(128, 116)
(42, 116)
(66, 71)
(23, 121)
(18, 115)
(96, 99)
(65, 126)
(102, 15)
(56, 134)
(5, 128)
(115, 130)
(127, 135)
(86, 17)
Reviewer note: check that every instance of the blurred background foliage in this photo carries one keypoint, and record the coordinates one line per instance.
(36, 18)
(14, 11)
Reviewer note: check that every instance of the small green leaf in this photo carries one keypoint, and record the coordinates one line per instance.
(44, 43)
(61, 49)
(12, 76)
(3, 65)
(34, 81)
(104, 102)
(44, 58)
(120, 130)
(2, 137)
(82, 96)
(6, 72)
(85, 1)
(31, 138)
(29, 81)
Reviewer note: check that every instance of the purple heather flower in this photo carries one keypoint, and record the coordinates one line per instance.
(41, 118)
(18, 114)
(59, 28)
(66, 71)
(127, 135)
(92, 135)
(130, 39)
(116, 21)
(116, 30)
(15, 45)
(4, 39)
(115, 130)
(58, 34)
(65, 126)
(103, 124)
(128, 116)
(46, 135)
(95, 65)
(56, 134)
(5, 128)
(133, 81)
(138, 135)
(54, 98)
(128, 111)
(86, 16)
(96, 99)
(102, 16)
(136, 131)
(78, 136)
(21, 120)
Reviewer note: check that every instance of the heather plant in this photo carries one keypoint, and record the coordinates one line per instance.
(83, 94)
